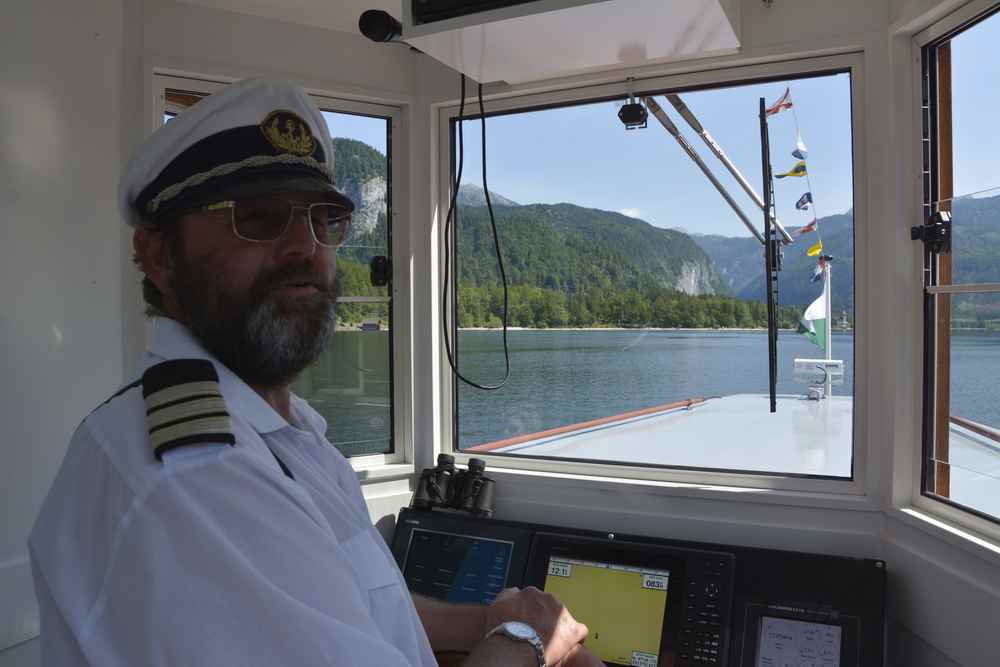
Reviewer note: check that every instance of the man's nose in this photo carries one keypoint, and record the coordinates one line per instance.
(298, 238)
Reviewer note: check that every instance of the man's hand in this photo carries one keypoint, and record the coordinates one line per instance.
(560, 632)
(579, 656)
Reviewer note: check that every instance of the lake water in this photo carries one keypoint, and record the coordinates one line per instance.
(565, 377)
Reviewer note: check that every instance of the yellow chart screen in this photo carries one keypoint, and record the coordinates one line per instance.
(623, 606)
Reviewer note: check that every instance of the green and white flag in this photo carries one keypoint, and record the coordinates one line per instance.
(813, 323)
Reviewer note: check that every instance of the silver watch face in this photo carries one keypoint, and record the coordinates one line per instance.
(520, 630)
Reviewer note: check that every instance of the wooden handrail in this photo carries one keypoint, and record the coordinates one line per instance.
(516, 440)
(980, 429)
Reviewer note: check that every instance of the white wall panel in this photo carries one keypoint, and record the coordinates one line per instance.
(60, 293)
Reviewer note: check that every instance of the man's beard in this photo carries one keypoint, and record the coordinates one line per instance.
(264, 342)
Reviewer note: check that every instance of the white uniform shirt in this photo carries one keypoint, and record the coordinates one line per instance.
(215, 556)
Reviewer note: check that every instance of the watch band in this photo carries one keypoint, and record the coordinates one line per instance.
(521, 632)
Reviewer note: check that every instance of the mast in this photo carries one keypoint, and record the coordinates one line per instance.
(772, 258)
(827, 290)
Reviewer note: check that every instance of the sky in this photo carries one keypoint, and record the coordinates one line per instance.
(583, 155)
(975, 67)
(372, 131)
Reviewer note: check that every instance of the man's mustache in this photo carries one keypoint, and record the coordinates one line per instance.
(301, 273)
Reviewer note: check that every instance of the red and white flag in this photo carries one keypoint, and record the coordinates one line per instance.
(784, 102)
(811, 227)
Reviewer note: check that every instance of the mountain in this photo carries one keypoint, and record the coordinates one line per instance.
(737, 259)
(473, 195)
(572, 249)
(359, 172)
(740, 261)
(976, 240)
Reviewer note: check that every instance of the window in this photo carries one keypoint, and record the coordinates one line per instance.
(637, 297)
(351, 384)
(961, 462)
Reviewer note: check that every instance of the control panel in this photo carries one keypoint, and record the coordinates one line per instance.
(656, 602)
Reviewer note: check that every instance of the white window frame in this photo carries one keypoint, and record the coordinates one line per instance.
(943, 517)
(369, 467)
(851, 492)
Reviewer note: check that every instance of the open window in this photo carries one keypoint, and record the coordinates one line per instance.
(351, 384)
(961, 235)
(637, 304)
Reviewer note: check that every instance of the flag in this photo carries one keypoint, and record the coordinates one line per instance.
(804, 201)
(813, 323)
(811, 227)
(815, 249)
(818, 271)
(798, 170)
(784, 102)
(800, 151)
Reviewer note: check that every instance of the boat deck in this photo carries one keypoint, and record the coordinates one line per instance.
(738, 433)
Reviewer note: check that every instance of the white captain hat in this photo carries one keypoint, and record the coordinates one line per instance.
(250, 139)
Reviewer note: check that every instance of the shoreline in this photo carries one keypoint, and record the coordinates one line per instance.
(680, 329)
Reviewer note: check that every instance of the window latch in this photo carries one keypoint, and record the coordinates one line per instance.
(936, 234)
(381, 270)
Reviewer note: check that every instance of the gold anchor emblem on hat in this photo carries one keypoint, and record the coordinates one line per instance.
(288, 133)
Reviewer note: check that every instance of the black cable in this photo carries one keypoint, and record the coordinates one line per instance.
(452, 213)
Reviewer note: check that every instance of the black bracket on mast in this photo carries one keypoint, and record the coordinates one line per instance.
(772, 258)
(936, 234)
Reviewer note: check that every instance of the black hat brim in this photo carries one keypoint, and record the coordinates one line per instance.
(259, 184)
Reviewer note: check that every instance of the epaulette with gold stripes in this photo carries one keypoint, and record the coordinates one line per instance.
(184, 405)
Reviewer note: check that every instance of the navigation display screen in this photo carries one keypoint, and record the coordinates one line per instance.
(457, 568)
(789, 643)
(622, 606)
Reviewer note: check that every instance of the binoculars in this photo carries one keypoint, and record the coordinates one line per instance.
(445, 486)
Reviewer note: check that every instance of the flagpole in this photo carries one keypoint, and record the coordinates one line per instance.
(829, 318)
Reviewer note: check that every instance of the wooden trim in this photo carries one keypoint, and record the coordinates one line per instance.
(942, 374)
(517, 440)
(181, 98)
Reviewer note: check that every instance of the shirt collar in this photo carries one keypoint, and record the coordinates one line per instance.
(170, 339)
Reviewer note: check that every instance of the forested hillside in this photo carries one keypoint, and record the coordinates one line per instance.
(574, 266)
(571, 266)
(570, 249)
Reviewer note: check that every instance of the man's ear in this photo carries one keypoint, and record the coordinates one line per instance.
(152, 254)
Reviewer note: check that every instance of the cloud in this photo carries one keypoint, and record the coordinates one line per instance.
(630, 212)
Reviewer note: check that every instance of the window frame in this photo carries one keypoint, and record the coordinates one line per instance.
(400, 460)
(683, 481)
(952, 514)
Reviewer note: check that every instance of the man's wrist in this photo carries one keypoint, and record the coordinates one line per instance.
(522, 633)
(520, 653)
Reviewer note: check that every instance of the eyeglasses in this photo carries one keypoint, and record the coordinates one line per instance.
(265, 220)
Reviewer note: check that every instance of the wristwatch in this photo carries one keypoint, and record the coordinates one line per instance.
(521, 632)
